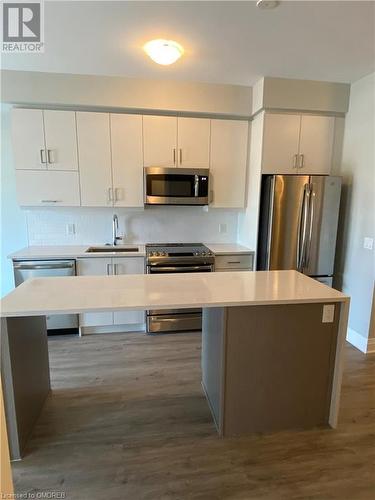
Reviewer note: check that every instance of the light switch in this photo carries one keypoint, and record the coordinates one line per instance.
(368, 243)
(328, 313)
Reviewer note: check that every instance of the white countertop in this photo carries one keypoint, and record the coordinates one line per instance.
(80, 294)
(79, 251)
(71, 252)
(228, 248)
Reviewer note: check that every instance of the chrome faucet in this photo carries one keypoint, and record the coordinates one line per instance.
(115, 236)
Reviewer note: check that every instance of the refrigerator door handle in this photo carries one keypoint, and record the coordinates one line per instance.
(311, 225)
(302, 229)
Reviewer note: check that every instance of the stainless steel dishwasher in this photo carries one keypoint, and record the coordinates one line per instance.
(26, 269)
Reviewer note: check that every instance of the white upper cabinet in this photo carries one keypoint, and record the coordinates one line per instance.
(280, 143)
(44, 139)
(316, 144)
(160, 141)
(193, 142)
(127, 160)
(61, 140)
(297, 144)
(46, 188)
(29, 149)
(229, 140)
(94, 152)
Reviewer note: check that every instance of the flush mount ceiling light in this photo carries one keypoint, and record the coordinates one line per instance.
(163, 51)
(267, 4)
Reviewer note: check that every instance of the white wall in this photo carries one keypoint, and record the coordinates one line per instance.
(28, 87)
(13, 219)
(356, 265)
(300, 95)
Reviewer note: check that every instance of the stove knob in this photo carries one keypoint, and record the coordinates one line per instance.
(163, 254)
(157, 254)
(203, 254)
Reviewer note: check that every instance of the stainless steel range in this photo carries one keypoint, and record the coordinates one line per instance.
(177, 258)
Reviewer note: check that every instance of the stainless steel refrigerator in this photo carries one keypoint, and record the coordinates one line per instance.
(298, 224)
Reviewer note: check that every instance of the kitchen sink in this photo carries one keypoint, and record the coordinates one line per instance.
(111, 249)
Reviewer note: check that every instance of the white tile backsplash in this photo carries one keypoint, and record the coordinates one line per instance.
(154, 224)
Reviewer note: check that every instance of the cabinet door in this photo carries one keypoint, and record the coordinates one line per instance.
(228, 163)
(280, 143)
(47, 188)
(28, 139)
(193, 142)
(128, 265)
(94, 154)
(316, 144)
(160, 141)
(127, 160)
(95, 267)
(61, 139)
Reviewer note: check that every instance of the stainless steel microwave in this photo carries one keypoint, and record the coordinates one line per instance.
(176, 186)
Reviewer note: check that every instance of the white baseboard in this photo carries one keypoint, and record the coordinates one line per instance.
(358, 341)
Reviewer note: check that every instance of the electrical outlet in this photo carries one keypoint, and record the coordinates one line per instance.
(70, 229)
(368, 243)
(328, 313)
(222, 228)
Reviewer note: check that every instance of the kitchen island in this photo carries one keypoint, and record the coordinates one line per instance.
(271, 343)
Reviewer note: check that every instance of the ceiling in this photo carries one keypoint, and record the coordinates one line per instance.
(225, 42)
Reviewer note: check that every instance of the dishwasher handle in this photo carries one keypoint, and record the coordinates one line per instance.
(62, 265)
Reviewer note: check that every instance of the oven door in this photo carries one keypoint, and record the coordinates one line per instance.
(175, 320)
(176, 186)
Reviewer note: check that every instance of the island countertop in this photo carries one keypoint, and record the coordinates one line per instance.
(81, 294)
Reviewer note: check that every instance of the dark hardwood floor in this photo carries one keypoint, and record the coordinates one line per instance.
(128, 420)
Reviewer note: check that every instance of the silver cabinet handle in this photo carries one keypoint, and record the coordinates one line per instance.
(110, 195)
(295, 158)
(50, 201)
(174, 156)
(42, 156)
(302, 161)
(49, 156)
(233, 262)
(118, 194)
(109, 269)
(180, 156)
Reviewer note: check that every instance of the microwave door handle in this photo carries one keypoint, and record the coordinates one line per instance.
(196, 186)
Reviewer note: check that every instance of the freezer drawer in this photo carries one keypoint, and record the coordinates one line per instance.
(24, 270)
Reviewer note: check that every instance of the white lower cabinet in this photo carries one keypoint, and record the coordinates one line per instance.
(105, 266)
(94, 267)
(128, 265)
(41, 188)
(234, 262)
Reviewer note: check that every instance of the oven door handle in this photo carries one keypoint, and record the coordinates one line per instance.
(179, 269)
